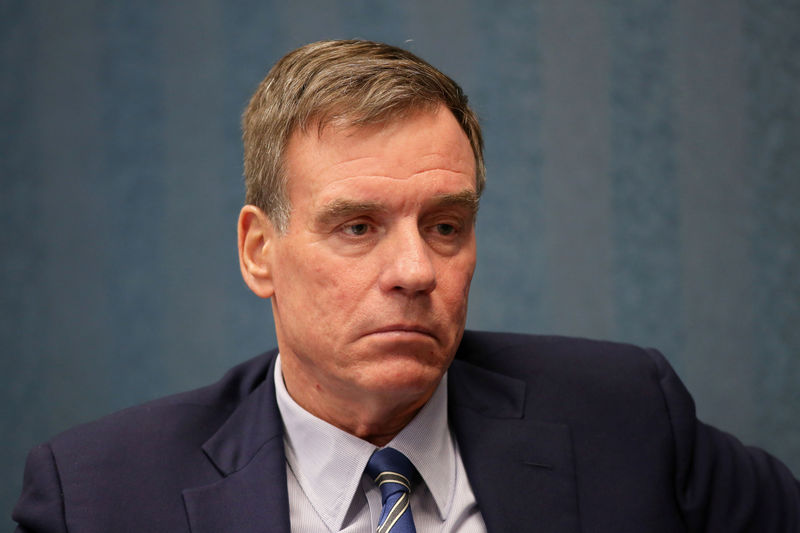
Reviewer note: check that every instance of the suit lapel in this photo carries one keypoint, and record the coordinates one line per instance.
(248, 451)
(521, 471)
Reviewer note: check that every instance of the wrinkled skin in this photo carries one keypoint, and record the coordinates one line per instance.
(369, 283)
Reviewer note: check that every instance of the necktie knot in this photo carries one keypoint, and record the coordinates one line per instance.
(394, 474)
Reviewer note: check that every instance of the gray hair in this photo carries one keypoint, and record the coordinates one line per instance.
(351, 83)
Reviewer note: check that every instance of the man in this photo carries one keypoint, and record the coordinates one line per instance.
(364, 168)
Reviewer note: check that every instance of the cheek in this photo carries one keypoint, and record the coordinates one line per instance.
(330, 286)
(454, 289)
(458, 275)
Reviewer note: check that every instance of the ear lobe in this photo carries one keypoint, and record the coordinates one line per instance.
(255, 237)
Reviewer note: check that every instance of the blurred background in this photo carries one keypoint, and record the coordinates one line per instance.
(643, 185)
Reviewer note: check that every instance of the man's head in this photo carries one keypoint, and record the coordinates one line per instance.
(369, 276)
(345, 83)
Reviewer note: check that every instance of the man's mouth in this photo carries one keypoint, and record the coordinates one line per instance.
(403, 331)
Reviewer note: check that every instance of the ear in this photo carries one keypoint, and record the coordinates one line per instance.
(255, 238)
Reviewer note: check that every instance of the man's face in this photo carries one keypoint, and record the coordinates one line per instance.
(372, 276)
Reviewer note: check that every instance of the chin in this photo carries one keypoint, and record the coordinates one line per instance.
(397, 348)
(403, 376)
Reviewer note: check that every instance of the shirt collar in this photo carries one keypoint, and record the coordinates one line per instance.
(428, 444)
(329, 463)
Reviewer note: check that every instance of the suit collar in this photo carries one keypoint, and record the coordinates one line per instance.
(248, 452)
(521, 471)
(255, 422)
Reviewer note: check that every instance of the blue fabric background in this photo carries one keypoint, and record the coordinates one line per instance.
(643, 185)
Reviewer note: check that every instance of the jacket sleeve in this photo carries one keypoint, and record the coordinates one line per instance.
(40, 508)
(720, 484)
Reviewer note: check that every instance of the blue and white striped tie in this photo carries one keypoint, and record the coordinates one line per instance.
(394, 474)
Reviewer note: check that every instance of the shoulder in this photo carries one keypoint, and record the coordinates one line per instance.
(630, 419)
(521, 354)
(135, 459)
(174, 425)
(583, 382)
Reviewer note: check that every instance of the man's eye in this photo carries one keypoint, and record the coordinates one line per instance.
(357, 229)
(445, 229)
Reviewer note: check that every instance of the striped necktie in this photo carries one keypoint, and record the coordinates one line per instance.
(394, 474)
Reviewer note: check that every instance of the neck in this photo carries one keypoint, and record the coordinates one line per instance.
(373, 417)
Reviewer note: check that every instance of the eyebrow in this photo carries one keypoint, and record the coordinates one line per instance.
(466, 199)
(342, 208)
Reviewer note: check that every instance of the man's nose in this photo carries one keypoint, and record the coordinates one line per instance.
(408, 266)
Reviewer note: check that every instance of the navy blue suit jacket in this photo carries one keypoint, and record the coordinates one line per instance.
(556, 434)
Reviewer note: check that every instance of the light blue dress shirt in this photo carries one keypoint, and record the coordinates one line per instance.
(328, 490)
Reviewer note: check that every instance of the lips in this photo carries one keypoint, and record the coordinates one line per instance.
(401, 330)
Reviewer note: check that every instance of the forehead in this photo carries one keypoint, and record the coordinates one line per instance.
(424, 147)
